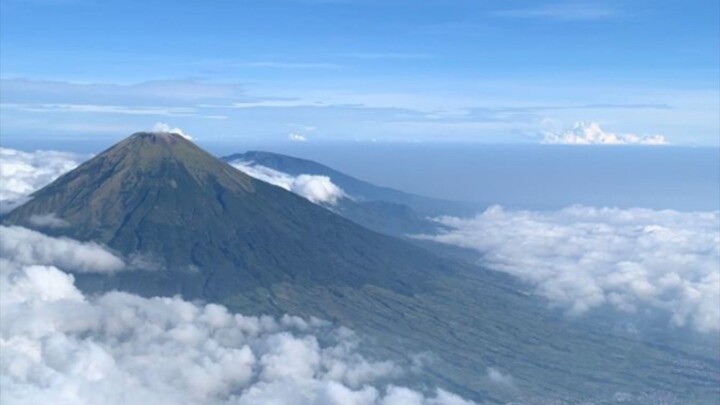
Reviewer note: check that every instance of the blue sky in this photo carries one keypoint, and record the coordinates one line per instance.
(392, 70)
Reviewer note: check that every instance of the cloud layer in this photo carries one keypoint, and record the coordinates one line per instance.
(591, 134)
(318, 189)
(28, 247)
(21, 173)
(581, 258)
(60, 346)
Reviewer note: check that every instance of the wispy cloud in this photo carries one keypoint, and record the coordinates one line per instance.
(98, 108)
(563, 12)
(161, 92)
(286, 65)
(385, 55)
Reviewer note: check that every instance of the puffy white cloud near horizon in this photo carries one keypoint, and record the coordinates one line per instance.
(316, 188)
(581, 258)
(60, 346)
(295, 137)
(592, 134)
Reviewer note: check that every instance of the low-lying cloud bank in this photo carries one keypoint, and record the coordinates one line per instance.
(591, 134)
(27, 247)
(318, 189)
(62, 347)
(581, 258)
(21, 173)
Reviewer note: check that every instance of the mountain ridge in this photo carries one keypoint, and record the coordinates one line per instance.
(360, 189)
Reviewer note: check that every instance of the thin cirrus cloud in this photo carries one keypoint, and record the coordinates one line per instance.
(385, 55)
(110, 109)
(581, 258)
(568, 11)
(46, 108)
(285, 65)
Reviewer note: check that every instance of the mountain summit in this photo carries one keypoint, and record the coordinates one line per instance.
(164, 203)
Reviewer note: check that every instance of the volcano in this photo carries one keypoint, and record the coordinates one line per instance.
(162, 202)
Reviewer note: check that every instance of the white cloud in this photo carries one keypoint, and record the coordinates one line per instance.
(295, 137)
(62, 347)
(318, 189)
(48, 221)
(591, 134)
(102, 108)
(164, 127)
(582, 257)
(27, 247)
(21, 173)
(562, 12)
(498, 377)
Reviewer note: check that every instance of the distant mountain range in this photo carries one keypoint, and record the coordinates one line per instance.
(381, 209)
(358, 189)
(191, 224)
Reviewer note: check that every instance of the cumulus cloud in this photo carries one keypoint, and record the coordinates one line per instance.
(581, 258)
(28, 247)
(21, 173)
(591, 134)
(60, 346)
(318, 189)
(164, 127)
(295, 137)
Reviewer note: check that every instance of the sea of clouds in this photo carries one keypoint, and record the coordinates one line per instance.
(582, 257)
(21, 173)
(62, 346)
